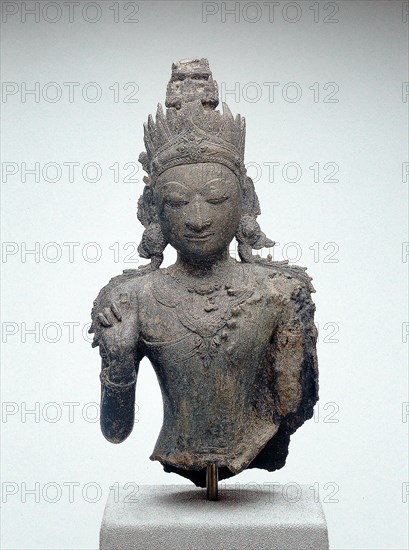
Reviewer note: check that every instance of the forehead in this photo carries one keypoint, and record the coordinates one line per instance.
(197, 175)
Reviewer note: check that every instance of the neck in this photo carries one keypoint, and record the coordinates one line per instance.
(195, 266)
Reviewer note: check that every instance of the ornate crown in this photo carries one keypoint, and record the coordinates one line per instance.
(192, 130)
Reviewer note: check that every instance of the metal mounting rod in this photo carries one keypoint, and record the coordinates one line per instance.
(212, 479)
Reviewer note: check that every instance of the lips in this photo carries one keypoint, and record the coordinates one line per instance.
(202, 237)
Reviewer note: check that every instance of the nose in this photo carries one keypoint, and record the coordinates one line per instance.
(197, 224)
(196, 221)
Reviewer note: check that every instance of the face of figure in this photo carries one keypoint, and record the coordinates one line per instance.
(199, 207)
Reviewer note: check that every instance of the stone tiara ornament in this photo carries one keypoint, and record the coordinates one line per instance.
(192, 130)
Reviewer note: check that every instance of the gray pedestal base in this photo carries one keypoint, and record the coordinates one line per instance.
(251, 517)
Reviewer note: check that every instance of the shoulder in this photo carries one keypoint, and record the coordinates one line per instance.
(289, 288)
(130, 282)
(127, 287)
(285, 278)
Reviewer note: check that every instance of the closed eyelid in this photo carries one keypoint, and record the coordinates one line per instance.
(216, 199)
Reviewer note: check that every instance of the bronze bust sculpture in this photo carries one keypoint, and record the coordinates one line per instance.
(233, 343)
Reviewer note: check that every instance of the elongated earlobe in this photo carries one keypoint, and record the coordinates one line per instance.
(153, 241)
(249, 235)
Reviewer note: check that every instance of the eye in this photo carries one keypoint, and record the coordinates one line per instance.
(217, 199)
(175, 201)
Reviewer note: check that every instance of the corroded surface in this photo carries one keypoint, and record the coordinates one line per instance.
(233, 343)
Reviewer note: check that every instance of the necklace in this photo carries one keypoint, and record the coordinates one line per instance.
(201, 284)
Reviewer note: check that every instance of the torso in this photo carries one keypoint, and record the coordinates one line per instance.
(229, 356)
(208, 349)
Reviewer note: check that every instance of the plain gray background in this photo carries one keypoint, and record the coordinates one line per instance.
(339, 105)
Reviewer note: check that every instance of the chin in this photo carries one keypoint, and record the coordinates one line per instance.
(209, 248)
(199, 250)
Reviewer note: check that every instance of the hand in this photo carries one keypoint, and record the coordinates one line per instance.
(118, 335)
(108, 314)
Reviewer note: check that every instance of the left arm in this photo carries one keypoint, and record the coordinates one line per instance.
(117, 332)
(295, 359)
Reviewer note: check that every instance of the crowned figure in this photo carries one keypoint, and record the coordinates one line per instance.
(232, 342)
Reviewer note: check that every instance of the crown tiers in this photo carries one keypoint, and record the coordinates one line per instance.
(192, 131)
